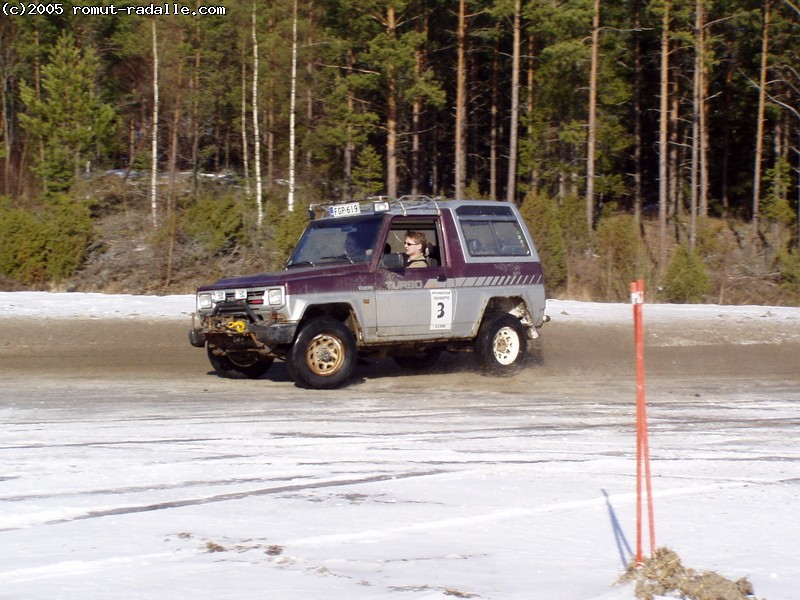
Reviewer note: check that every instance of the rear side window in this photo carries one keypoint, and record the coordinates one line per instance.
(490, 237)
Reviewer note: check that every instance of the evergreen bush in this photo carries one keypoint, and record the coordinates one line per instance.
(214, 222)
(621, 256)
(789, 268)
(541, 215)
(572, 217)
(288, 231)
(686, 279)
(368, 173)
(46, 245)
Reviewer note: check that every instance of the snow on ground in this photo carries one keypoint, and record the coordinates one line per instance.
(94, 305)
(136, 491)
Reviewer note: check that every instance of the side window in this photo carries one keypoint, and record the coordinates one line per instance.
(494, 237)
(400, 228)
(479, 237)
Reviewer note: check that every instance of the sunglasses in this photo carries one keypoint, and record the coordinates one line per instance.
(410, 244)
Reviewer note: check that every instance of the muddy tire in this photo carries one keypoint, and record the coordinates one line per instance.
(501, 346)
(239, 365)
(324, 354)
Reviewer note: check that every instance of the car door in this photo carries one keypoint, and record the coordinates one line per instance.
(414, 303)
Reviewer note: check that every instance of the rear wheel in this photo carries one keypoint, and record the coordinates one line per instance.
(324, 354)
(238, 365)
(501, 345)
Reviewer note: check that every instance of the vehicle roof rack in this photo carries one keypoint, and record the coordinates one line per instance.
(367, 204)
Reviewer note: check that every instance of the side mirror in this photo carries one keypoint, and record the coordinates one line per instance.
(393, 261)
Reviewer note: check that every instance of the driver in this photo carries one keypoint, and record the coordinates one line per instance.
(415, 246)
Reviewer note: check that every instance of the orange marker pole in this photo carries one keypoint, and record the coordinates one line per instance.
(643, 477)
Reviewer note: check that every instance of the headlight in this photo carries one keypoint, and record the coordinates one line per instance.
(274, 297)
(203, 301)
(218, 295)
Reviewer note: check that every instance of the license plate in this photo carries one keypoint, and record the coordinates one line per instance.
(344, 210)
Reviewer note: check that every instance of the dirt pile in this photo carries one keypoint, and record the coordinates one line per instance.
(663, 574)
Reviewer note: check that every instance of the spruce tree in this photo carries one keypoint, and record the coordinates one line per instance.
(68, 119)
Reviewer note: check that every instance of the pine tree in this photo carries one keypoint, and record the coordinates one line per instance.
(69, 119)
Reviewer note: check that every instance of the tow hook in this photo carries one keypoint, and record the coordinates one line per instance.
(237, 326)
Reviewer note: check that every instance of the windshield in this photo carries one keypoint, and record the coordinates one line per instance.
(336, 240)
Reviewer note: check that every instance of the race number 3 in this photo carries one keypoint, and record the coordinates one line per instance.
(441, 310)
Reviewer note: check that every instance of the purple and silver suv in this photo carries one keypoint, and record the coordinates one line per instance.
(346, 292)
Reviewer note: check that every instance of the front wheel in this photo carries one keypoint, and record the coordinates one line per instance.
(238, 364)
(501, 345)
(324, 354)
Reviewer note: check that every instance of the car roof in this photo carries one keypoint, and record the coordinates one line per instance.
(411, 205)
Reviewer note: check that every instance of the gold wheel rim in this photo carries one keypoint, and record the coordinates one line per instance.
(325, 355)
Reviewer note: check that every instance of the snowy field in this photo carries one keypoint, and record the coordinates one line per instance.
(418, 487)
(44, 304)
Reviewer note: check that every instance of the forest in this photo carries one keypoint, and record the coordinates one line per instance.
(147, 147)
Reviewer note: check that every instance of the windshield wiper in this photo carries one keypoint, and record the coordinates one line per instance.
(301, 263)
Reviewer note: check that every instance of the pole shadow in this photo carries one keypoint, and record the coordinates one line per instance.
(623, 546)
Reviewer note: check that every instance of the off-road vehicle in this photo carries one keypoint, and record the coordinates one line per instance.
(346, 292)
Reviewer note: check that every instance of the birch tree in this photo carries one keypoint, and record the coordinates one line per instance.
(256, 131)
(292, 111)
(154, 141)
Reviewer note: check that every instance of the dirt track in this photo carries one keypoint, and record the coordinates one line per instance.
(143, 350)
(124, 448)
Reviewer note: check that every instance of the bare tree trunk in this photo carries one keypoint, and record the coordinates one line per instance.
(674, 145)
(663, 133)
(391, 113)
(534, 175)
(349, 154)
(696, 100)
(154, 142)
(511, 186)
(309, 155)
(592, 134)
(762, 96)
(637, 123)
(256, 132)
(726, 135)
(195, 89)
(494, 130)
(349, 147)
(292, 110)
(416, 126)
(270, 136)
(461, 103)
(703, 114)
(245, 148)
(699, 175)
(6, 136)
(173, 143)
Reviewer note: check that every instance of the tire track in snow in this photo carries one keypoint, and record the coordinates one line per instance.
(126, 510)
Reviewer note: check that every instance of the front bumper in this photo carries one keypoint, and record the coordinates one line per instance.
(266, 336)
